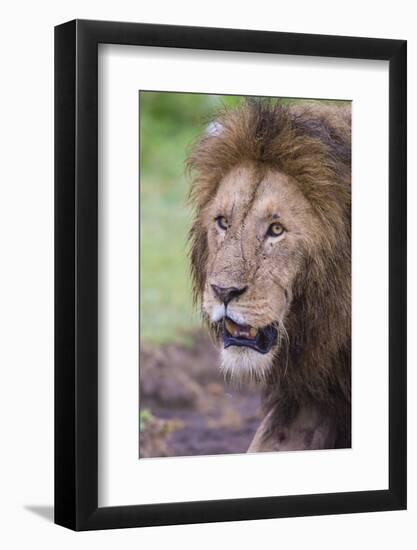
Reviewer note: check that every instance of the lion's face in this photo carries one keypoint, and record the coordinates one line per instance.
(259, 229)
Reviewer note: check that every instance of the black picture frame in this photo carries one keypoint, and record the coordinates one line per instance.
(76, 272)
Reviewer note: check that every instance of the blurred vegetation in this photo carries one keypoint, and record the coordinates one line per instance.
(169, 123)
(145, 416)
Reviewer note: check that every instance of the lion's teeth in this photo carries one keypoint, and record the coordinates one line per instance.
(231, 327)
(240, 332)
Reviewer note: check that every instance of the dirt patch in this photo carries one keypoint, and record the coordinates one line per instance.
(186, 408)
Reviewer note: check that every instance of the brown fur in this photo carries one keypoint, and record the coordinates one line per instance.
(304, 148)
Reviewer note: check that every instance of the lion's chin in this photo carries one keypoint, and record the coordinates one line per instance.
(243, 365)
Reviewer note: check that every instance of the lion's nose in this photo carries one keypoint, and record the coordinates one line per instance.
(226, 294)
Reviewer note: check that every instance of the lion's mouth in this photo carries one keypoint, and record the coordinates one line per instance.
(261, 339)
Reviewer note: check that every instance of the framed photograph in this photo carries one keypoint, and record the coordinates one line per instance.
(230, 284)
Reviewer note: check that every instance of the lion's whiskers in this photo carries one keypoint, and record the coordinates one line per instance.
(283, 338)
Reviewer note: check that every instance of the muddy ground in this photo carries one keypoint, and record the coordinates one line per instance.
(185, 406)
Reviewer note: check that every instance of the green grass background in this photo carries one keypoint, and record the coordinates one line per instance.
(169, 123)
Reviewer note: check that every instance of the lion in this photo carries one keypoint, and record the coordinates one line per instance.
(270, 255)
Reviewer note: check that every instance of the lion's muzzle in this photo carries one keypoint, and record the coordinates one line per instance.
(227, 294)
(260, 340)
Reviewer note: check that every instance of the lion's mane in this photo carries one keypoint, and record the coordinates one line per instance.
(312, 144)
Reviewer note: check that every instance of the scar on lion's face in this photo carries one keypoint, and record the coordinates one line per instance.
(259, 228)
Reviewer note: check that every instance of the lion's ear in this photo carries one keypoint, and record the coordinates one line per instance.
(214, 128)
(198, 258)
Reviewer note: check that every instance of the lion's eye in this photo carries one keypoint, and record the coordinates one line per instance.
(222, 222)
(275, 230)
